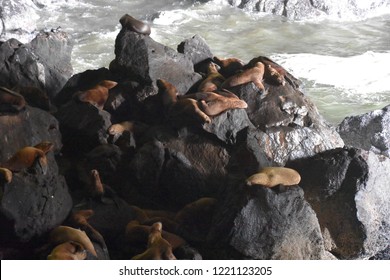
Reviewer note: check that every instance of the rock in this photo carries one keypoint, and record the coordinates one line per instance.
(141, 58)
(228, 125)
(370, 131)
(263, 223)
(83, 126)
(348, 190)
(44, 63)
(309, 9)
(28, 128)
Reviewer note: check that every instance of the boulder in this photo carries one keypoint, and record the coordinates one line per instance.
(44, 63)
(370, 131)
(348, 190)
(141, 58)
(264, 223)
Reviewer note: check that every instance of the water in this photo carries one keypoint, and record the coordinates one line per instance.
(344, 64)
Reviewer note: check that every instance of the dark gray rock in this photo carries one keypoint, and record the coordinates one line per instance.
(27, 128)
(370, 131)
(264, 223)
(140, 58)
(44, 63)
(348, 190)
(83, 126)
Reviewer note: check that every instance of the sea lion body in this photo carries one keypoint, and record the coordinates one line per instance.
(68, 251)
(254, 74)
(11, 101)
(34, 97)
(274, 176)
(176, 108)
(274, 73)
(229, 66)
(133, 24)
(26, 158)
(62, 234)
(98, 95)
(213, 81)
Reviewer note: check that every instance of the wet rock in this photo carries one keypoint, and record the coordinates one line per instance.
(264, 223)
(347, 189)
(141, 58)
(370, 131)
(43, 63)
(83, 126)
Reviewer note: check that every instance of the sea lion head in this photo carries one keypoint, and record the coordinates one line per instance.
(133, 24)
(5, 175)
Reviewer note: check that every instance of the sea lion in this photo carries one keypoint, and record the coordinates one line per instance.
(273, 176)
(253, 74)
(213, 81)
(158, 248)
(26, 157)
(69, 250)
(45, 146)
(62, 234)
(11, 101)
(34, 96)
(177, 108)
(97, 95)
(5, 175)
(130, 23)
(229, 66)
(274, 73)
(215, 103)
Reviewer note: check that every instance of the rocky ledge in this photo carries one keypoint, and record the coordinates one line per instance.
(178, 154)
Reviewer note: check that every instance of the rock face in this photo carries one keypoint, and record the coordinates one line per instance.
(348, 190)
(303, 9)
(43, 63)
(369, 131)
(268, 224)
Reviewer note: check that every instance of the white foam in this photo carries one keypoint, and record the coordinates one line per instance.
(365, 76)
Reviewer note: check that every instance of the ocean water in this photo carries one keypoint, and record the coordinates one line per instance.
(343, 63)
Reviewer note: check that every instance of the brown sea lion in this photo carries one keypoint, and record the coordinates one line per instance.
(62, 234)
(26, 157)
(158, 248)
(176, 108)
(274, 73)
(45, 146)
(273, 176)
(130, 23)
(215, 103)
(5, 175)
(213, 81)
(34, 97)
(98, 95)
(254, 74)
(69, 250)
(229, 66)
(11, 101)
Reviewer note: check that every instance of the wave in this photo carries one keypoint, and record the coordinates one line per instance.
(364, 75)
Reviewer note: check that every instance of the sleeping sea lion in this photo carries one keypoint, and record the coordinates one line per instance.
(213, 81)
(273, 176)
(130, 23)
(97, 95)
(254, 74)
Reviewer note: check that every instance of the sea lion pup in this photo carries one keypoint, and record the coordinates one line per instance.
(62, 234)
(5, 175)
(213, 81)
(273, 176)
(229, 66)
(130, 23)
(215, 103)
(274, 73)
(68, 251)
(253, 74)
(179, 107)
(97, 95)
(11, 101)
(158, 248)
(26, 157)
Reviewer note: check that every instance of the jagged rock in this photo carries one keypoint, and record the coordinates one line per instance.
(228, 125)
(27, 128)
(43, 63)
(348, 189)
(264, 223)
(370, 131)
(83, 126)
(145, 60)
(306, 9)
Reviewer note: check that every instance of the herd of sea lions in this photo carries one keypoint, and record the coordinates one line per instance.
(158, 231)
